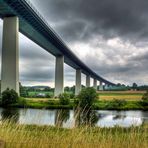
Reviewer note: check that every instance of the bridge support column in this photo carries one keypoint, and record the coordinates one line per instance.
(95, 84)
(78, 82)
(101, 86)
(87, 81)
(10, 54)
(106, 86)
(59, 76)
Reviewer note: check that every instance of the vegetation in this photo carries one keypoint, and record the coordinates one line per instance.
(116, 104)
(16, 136)
(101, 104)
(144, 101)
(9, 97)
(121, 95)
(64, 99)
(117, 101)
(87, 97)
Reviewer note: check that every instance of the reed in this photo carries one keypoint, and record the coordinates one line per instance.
(32, 136)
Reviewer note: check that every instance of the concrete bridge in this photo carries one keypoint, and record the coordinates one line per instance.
(20, 15)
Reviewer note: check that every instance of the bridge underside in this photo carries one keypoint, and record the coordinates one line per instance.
(32, 25)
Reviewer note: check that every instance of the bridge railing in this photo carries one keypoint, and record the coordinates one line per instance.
(42, 18)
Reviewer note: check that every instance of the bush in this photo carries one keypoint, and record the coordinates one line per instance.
(48, 96)
(116, 104)
(22, 102)
(9, 97)
(72, 96)
(144, 101)
(145, 97)
(87, 97)
(64, 99)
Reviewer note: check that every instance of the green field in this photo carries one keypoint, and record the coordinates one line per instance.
(33, 93)
(107, 100)
(121, 95)
(105, 95)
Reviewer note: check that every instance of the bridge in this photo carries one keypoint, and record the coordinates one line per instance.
(22, 16)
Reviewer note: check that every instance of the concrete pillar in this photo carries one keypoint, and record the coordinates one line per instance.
(78, 82)
(101, 86)
(87, 81)
(95, 84)
(106, 86)
(59, 76)
(10, 54)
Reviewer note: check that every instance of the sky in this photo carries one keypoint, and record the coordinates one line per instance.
(110, 36)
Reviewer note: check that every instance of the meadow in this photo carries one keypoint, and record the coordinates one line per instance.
(32, 136)
(121, 95)
(106, 95)
(120, 100)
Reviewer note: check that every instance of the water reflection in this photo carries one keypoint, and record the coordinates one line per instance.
(61, 117)
(10, 114)
(119, 116)
(86, 118)
(70, 118)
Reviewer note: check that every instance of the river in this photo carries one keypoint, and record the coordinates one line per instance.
(69, 119)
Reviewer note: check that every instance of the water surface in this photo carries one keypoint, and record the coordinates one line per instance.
(69, 119)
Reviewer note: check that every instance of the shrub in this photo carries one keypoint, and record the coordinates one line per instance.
(48, 96)
(116, 104)
(64, 99)
(9, 97)
(87, 97)
(144, 101)
(72, 96)
(145, 97)
(22, 102)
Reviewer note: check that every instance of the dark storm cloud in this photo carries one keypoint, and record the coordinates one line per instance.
(82, 19)
(92, 22)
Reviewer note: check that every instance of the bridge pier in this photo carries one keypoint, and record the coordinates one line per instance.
(106, 86)
(95, 84)
(10, 54)
(78, 81)
(87, 81)
(101, 86)
(59, 76)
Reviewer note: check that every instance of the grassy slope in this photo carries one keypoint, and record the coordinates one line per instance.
(31, 136)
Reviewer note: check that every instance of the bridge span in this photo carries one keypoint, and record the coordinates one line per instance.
(20, 15)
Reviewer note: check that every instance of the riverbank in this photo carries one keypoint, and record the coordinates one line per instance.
(32, 136)
(99, 104)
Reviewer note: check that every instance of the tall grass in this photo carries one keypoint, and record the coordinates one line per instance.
(32, 136)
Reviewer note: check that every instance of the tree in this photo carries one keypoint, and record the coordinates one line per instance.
(9, 97)
(87, 97)
(64, 99)
(134, 86)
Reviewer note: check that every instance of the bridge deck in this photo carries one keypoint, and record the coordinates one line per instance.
(35, 28)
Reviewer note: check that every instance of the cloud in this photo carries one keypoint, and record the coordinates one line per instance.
(110, 36)
(83, 19)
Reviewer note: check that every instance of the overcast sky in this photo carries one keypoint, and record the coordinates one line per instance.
(110, 36)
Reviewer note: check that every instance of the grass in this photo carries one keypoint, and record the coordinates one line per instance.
(113, 105)
(107, 95)
(31, 136)
(126, 95)
(33, 93)
(107, 100)
(99, 104)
